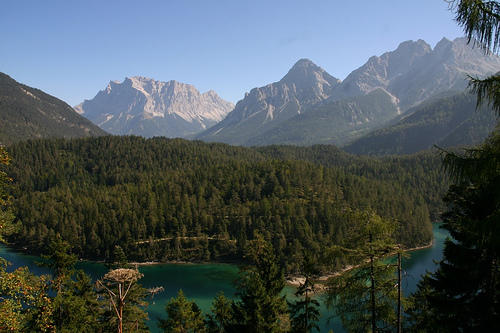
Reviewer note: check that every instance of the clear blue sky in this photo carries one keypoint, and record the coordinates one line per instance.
(72, 49)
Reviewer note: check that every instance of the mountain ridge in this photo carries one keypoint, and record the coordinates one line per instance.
(411, 74)
(147, 107)
(29, 113)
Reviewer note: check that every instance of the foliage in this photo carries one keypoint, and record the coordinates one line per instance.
(6, 217)
(481, 23)
(463, 294)
(161, 199)
(304, 311)
(260, 306)
(183, 316)
(76, 305)
(25, 305)
(471, 302)
(365, 297)
(221, 314)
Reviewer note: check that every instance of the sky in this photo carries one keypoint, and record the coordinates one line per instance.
(72, 49)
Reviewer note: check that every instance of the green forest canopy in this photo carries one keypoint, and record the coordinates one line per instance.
(171, 199)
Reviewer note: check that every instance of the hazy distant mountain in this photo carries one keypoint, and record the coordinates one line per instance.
(414, 71)
(333, 122)
(310, 106)
(29, 113)
(446, 122)
(146, 107)
(266, 107)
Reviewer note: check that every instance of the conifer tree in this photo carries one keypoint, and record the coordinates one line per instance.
(365, 297)
(260, 306)
(304, 311)
(221, 316)
(183, 316)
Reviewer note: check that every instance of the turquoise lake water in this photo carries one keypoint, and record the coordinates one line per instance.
(201, 282)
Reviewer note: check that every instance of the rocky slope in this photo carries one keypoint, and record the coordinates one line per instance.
(146, 107)
(305, 85)
(29, 113)
(310, 106)
(333, 122)
(415, 72)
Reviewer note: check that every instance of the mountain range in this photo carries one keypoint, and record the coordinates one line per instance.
(400, 102)
(327, 110)
(147, 107)
(29, 113)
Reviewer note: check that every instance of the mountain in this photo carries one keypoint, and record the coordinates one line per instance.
(146, 107)
(264, 108)
(309, 106)
(415, 72)
(333, 122)
(29, 113)
(446, 122)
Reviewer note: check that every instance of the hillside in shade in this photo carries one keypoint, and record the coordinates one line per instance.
(446, 122)
(29, 113)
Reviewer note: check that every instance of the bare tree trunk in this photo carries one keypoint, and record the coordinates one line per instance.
(372, 288)
(399, 292)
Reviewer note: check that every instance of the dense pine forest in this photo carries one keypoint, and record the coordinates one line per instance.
(169, 199)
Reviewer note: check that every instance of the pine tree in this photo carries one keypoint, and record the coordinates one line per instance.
(365, 297)
(304, 312)
(221, 316)
(75, 304)
(183, 316)
(260, 307)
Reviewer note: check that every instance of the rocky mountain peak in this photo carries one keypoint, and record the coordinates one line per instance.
(306, 73)
(144, 106)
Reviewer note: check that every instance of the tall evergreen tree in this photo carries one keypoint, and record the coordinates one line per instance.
(365, 297)
(221, 316)
(260, 307)
(304, 311)
(75, 304)
(183, 316)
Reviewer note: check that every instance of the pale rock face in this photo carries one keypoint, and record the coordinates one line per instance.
(262, 108)
(147, 107)
(414, 71)
(396, 80)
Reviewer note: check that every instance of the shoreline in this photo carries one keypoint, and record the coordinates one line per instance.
(297, 280)
(290, 280)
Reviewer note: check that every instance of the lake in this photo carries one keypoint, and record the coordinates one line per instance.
(201, 282)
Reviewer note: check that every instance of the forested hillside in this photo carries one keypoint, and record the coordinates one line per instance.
(164, 199)
(448, 121)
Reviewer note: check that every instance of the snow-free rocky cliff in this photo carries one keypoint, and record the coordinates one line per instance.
(146, 107)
